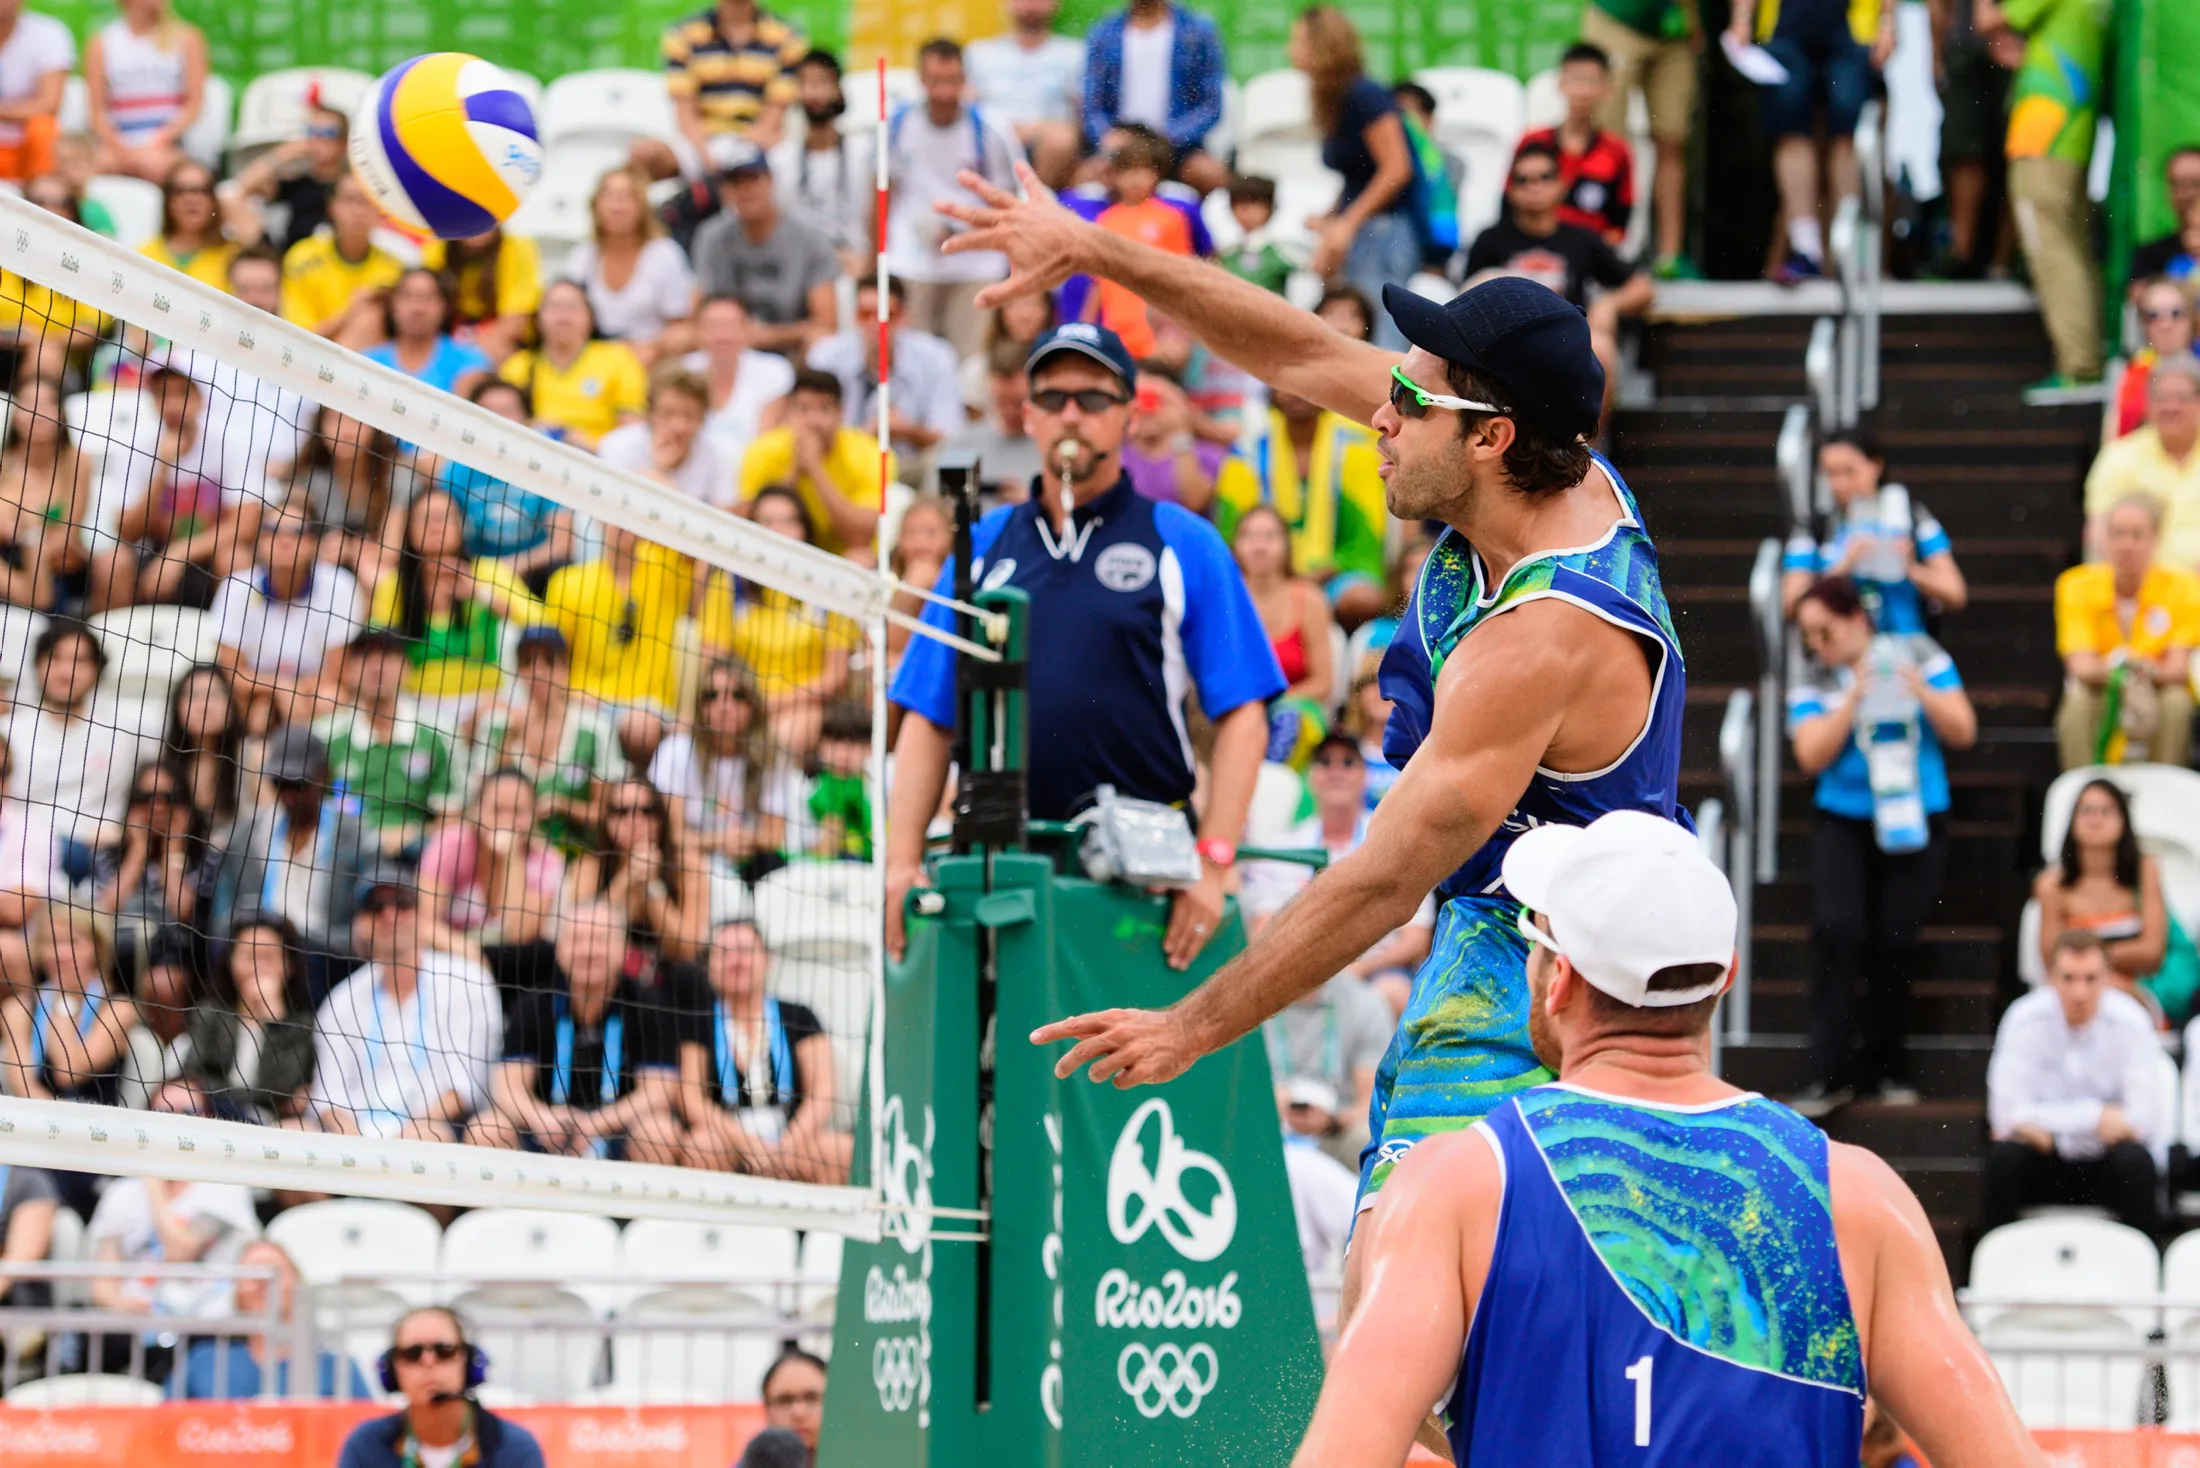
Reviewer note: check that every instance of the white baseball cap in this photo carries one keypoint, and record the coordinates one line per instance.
(1622, 898)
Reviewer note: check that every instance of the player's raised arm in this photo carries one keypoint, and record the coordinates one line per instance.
(1287, 348)
(1928, 1371)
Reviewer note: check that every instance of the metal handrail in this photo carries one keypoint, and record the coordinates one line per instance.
(1871, 246)
(1846, 248)
(1715, 841)
(1821, 368)
(1737, 749)
(1798, 470)
(1769, 619)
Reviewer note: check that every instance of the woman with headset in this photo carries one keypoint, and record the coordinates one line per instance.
(432, 1364)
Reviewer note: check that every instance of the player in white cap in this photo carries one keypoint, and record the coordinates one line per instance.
(1640, 1264)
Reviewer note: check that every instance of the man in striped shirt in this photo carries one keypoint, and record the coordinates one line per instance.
(730, 69)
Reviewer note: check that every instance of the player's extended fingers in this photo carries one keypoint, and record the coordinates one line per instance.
(1076, 1027)
(985, 188)
(1095, 1049)
(1122, 1059)
(977, 216)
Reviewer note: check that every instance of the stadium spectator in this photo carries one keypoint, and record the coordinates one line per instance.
(201, 742)
(620, 615)
(28, 1202)
(191, 522)
(45, 493)
(260, 423)
(746, 386)
(73, 758)
(1371, 239)
(402, 1048)
(420, 344)
(1161, 64)
(1164, 457)
(2071, 1095)
(67, 1036)
(1033, 80)
(452, 612)
(923, 542)
(488, 877)
(827, 178)
(160, 1048)
(927, 145)
(1868, 901)
(801, 655)
(37, 53)
(1134, 170)
(531, 535)
(191, 237)
(1293, 611)
(833, 467)
(277, 621)
(1253, 206)
(73, 171)
(1366, 715)
(1974, 107)
(239, 1367)
(1020, 322)
(155, 1221)
(1532, 241)
(299, 861)
(346, 472)
(1322, 473)
(736, 791)
(2102, 884)
(2176, 254)
(840, 796)
(496, 281)
(640, 868)
(1829, 50)
(581, 386)
(1852, 465)
(2161, 458)
(2165, 317)
(793, 1390)
(32, 318)
(1652, 46)
(1103, 706)
(1596, 166)
(252, 1038)
(1007, 457)
(568, 746)
(922, 396)
(670, 445)
(2126, 627)
(380, 751)
(297, 177)
(2054, 115)
(757, 1073)
(778, 266)
(30, 867)
(591, 1061)
(148, 881)
(730, 69)
(429, 1361)
(637, 279)
(337, 284)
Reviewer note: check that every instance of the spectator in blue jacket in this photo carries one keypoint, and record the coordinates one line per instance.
(233, 1368)
(1159, 64)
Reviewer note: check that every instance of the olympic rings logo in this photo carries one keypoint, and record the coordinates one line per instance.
(1167, 1377)
(897, 1366)
(1159, 1191)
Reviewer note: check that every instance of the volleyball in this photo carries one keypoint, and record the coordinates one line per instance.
(446, 144)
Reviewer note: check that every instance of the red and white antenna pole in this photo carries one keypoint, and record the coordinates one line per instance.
(885, 343)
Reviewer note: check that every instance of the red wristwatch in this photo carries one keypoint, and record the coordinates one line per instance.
(1218, 851)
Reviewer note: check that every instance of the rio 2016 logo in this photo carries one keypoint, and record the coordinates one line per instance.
(1157, 1192)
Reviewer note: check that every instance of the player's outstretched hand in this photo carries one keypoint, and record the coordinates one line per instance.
(1137, 1047)
(1044, 242)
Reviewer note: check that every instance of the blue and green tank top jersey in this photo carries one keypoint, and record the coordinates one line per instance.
(1665, 1290)
(1462, 1043)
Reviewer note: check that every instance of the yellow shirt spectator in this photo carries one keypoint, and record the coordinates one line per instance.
(25, 307)
(518, 279)
(318, 283)
(2165, 614)
(461, 656)
(784, 642)
(852, 462)
(623, 644)
(588, 397)
(2138, 464)
(210, 265)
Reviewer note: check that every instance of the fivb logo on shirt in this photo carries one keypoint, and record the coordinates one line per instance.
(1125, 567)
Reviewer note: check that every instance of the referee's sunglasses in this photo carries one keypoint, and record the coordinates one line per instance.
(1413, 401)
(1091, 401)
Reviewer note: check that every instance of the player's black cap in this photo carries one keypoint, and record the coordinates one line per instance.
(1525, 337)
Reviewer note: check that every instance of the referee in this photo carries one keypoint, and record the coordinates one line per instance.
(1134, 604)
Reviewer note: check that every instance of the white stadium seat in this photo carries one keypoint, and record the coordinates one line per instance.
(542, 1342)
(134, 204)
(273, 107)
(821, 910)
(1479, 114)
(75, 115)
(207, 138)
(611, 104)
(87, 1391)
(2045, 1262)
(150, 647)
(859, 90)
(2181, 1328)
(753, 1258)
(712, 1361)
(1276, 134)
(361, 1238)
(529, 1246)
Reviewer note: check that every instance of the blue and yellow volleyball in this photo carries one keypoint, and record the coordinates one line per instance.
(446, 144)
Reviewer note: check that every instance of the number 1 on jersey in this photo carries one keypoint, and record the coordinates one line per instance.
(1639, 1374)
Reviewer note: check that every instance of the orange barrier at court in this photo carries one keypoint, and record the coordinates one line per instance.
(2120, 1449)
(310, 1434)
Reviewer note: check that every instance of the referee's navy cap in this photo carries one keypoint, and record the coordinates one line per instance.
(1094, 343)
(1525, 337)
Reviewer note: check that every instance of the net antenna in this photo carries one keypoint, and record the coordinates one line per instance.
(85, 270)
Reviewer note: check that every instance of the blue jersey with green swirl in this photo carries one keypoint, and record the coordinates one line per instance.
(1462, 1043)
(1665, 1292)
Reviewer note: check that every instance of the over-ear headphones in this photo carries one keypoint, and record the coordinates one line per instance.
(477, 1367)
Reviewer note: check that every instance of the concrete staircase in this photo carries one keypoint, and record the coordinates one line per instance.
(2006, 480)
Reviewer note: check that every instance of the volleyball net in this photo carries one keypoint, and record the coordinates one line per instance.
(403, 803)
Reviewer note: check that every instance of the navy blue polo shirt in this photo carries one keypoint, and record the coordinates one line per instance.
(1134, 606)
